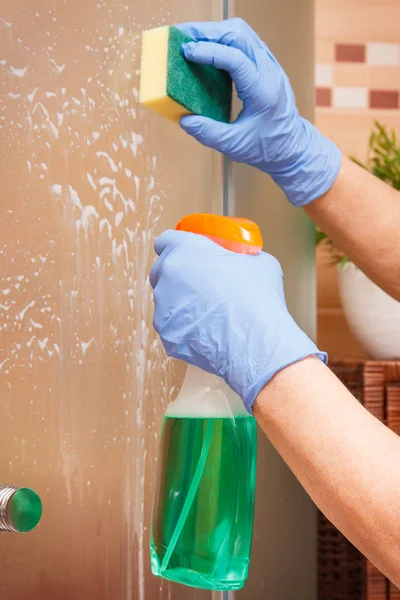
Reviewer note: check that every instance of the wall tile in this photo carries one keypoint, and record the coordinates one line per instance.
(355, 21)
(323, 75)
(327, 288)
(384, 99)
(351, 130)
(350, 97)
(350, 75)
(354, 53)
(383, 54)
(323, 97)
(335, 337)
(324, 50)
(384, 78)
(360, 92)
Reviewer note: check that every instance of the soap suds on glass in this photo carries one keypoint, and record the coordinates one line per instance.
(83, 212)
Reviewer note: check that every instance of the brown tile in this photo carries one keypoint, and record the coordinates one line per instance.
(350, 74)
(323, 97)
(384, 99)
(354, 53)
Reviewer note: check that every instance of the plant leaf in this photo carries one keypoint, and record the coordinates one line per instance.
(319, 236)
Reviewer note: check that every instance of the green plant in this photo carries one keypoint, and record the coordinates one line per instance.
(337, 256)
(383, 161)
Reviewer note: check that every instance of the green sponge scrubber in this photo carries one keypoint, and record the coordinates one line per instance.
(174, 86)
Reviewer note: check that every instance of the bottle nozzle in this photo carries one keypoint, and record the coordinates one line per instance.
(235, 234)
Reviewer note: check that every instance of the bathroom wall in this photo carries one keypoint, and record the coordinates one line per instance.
(357, 81)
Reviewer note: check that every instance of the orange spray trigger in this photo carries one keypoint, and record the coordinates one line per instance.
(235, 234)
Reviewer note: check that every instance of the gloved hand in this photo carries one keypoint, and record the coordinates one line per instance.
(224, 312)
(269, 132)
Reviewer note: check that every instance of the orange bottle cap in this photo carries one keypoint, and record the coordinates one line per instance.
(232, 233)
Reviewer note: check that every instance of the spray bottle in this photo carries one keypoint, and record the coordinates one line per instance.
(204, 503)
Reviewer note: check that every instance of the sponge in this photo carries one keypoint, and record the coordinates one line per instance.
(173, 86)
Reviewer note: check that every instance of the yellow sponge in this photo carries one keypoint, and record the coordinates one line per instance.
(175, 87)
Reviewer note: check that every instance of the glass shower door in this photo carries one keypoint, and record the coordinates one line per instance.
(89, 178)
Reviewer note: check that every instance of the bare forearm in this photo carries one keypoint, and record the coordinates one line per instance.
(345, 458)
(361, 214)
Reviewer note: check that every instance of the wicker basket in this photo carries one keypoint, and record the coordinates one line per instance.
(343, 572)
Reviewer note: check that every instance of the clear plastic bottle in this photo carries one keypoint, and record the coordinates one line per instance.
(203, 512)
(204, 504)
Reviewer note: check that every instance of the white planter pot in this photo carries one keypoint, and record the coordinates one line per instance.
(372, 315)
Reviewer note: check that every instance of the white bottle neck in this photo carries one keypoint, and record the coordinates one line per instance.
(204, 395)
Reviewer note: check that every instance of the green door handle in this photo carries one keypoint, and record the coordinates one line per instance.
(20, 509)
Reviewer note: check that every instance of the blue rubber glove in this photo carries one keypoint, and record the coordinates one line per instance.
(269, 132)
(224, 312)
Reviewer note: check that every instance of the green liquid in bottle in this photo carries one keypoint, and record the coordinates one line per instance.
(203, 514)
